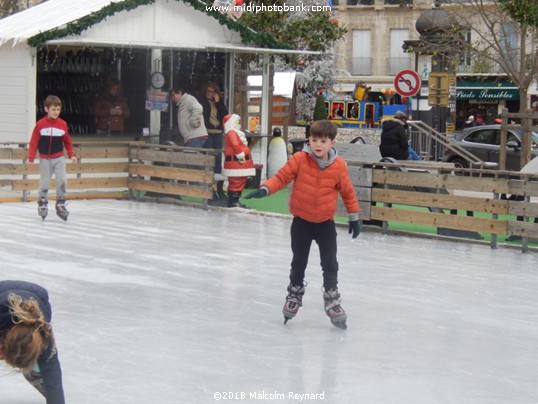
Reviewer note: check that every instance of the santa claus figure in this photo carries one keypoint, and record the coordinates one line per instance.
(238, 164)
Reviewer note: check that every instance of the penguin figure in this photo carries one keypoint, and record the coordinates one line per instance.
(277, 153)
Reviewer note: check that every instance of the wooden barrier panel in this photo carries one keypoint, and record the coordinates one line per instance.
(79, 168)
(172, 170)
(171, 173)
(482, 225)
(176, 156)
(74, 183)
(440, 201)
(102, 171)
(196, 191)
(387, 192)
(9, 153)
(486, 209)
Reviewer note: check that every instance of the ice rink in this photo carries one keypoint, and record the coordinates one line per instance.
(163, 304)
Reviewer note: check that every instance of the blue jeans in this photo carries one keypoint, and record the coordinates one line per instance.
(412, 154)
(197, 142)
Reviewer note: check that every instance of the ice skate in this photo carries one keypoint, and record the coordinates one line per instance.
(233, 200)
(42, 208)
(333, 309)
(294, 300)
(61, 210)
(219, 197)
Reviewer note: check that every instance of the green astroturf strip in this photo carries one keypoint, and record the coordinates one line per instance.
(278, 203)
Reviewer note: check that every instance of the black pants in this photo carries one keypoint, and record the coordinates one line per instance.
(302, 235)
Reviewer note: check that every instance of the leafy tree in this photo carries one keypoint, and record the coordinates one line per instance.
(320, 112)
(8, 7)
(309, 30)
(496, 40)
(313, 74)
(523, 11)
(298, 29)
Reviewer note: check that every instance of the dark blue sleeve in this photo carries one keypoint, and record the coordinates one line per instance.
(52, 375)
(48, 362)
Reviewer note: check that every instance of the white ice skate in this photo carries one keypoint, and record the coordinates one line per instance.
(333, 309)
(61, 210)
(42, 208)
(294, 300)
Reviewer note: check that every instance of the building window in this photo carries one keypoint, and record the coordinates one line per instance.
(509, 43)
(465, 65)
(361, 61)
(398, 59)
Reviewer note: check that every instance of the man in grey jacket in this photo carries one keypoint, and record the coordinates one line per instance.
(190, 118)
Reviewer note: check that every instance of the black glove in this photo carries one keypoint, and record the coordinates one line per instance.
(355, 228)
(259, 193)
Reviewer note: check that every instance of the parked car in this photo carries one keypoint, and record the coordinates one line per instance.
(483, 141)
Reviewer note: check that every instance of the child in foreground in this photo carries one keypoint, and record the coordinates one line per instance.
(318, 175)
(26, 340)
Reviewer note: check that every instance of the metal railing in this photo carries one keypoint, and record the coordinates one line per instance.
(431, 144)
(399, 2)
(394, 65)
(361, 66)
(354, 2)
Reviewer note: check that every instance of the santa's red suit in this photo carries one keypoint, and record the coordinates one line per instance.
(238, 164)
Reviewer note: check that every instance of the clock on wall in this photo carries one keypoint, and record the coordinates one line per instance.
(157, 80)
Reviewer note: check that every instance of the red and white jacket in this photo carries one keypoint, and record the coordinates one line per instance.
(50, 137)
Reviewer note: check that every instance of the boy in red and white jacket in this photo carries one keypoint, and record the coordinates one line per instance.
(49, 137)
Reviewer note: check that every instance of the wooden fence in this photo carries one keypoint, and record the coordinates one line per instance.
(171, 170)
(114, 170)
(418, 193)
(461, 200)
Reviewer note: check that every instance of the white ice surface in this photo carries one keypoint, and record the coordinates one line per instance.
(165, 304)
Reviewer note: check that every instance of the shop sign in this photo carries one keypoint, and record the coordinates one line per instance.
(156, 101)
(491, 94)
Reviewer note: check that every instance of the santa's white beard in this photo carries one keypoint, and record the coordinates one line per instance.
(241, 135)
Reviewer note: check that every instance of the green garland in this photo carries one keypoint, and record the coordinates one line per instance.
(262, 39)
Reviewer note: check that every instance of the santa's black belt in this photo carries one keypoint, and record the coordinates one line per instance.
(229, 158)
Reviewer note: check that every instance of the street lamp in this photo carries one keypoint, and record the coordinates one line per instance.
(437, 29)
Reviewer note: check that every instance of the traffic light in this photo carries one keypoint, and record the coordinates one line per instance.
(438, 89)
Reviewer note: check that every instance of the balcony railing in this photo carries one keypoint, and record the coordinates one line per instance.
(479, 68)
(394, 65)
(361, 66)
(399, 2)
(354, 2)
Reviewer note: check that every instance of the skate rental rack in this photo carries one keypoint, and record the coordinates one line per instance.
(424, 194)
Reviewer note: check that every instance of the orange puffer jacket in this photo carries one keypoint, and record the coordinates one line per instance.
(315, 191)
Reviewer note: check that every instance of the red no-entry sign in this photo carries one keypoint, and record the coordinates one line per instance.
(407, 83)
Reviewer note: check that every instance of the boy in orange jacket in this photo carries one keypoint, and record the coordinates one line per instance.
(318, 175)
